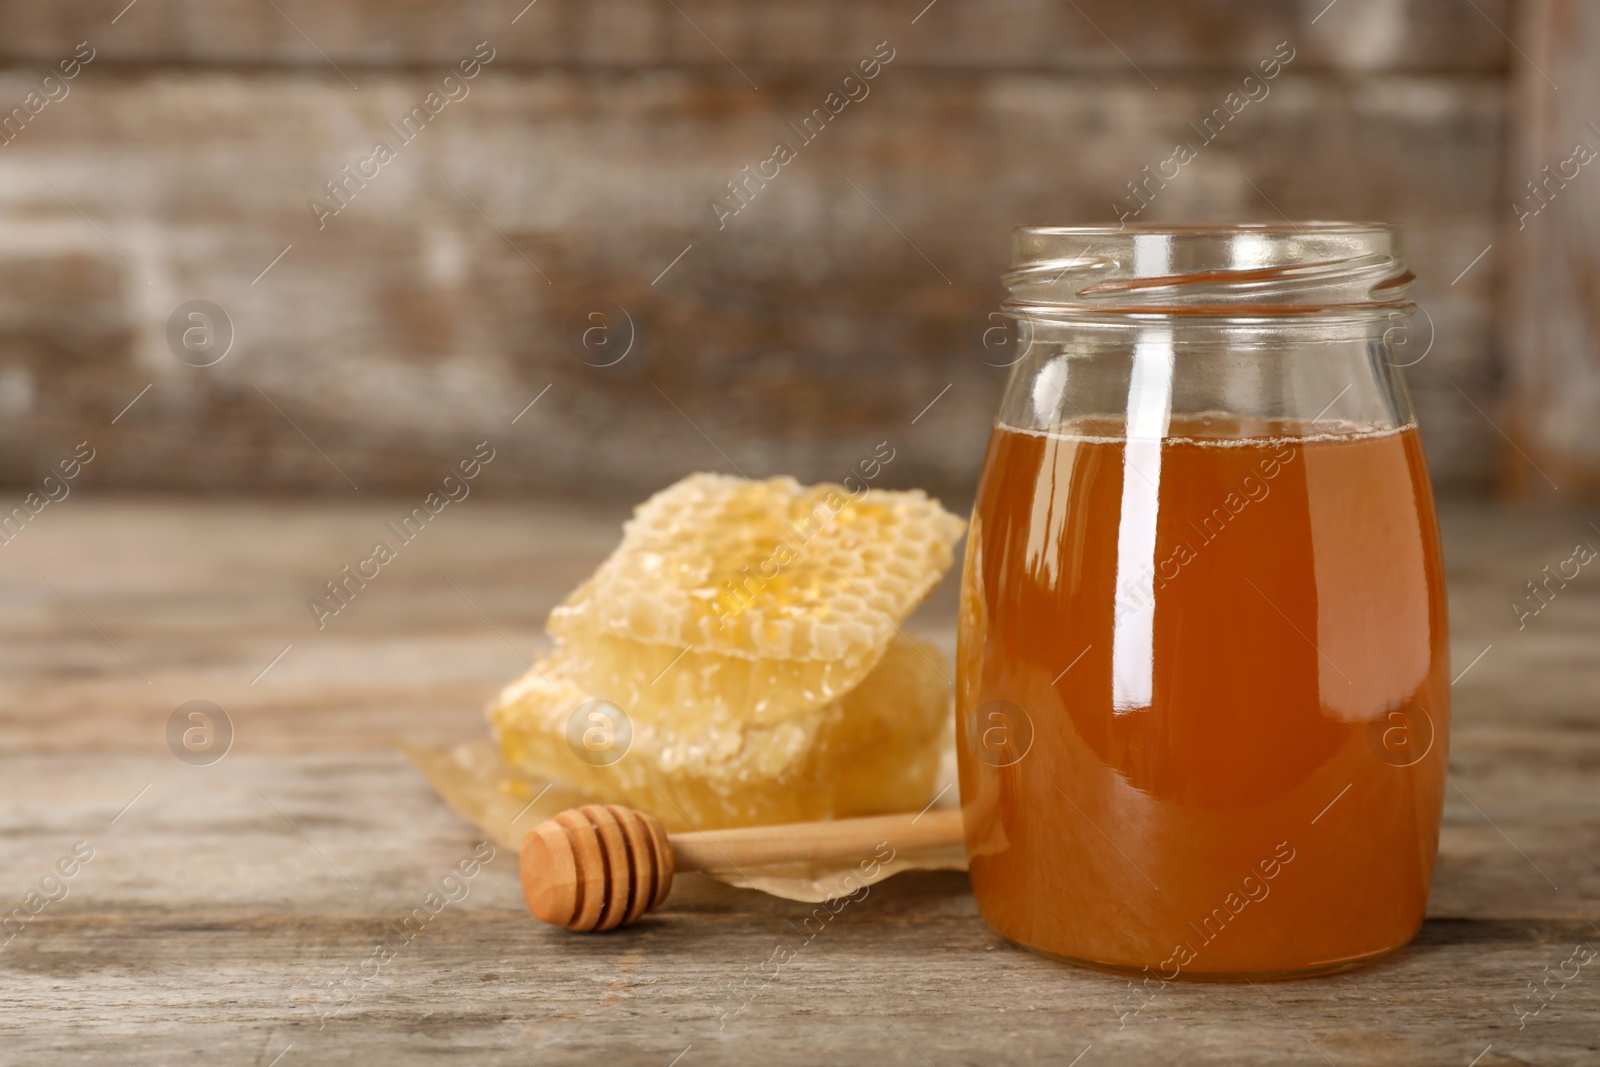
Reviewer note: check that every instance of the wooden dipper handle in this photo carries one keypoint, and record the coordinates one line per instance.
(600, 867)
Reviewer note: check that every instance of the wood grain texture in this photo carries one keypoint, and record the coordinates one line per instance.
(280, 898)
(1097, 35)
(1550, 232)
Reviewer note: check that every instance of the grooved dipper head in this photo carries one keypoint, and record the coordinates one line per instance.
(596, 867)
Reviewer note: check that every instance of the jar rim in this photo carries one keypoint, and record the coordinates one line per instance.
(1319, 267)
(1218, 229)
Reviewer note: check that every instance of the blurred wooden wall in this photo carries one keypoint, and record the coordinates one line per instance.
(824, 317)
(1552, 261)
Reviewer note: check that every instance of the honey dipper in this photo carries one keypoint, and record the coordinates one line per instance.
(600, 867)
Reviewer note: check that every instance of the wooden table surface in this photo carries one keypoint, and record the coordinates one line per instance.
(248, 911)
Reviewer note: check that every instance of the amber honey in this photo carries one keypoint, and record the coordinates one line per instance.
(1202, 701)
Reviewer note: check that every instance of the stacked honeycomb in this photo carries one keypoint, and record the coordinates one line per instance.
(749, 632)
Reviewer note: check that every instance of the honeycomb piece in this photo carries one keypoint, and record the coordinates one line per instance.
(875, 750)
(673, 687)
(805, 585)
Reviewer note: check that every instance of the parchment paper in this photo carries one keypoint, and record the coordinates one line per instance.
(506, 804)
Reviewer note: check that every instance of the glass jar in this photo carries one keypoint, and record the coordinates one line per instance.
(1202, 699)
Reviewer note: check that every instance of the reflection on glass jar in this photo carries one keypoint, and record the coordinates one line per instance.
(1204, 569)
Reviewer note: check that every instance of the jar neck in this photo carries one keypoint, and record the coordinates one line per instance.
(1230, 379)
